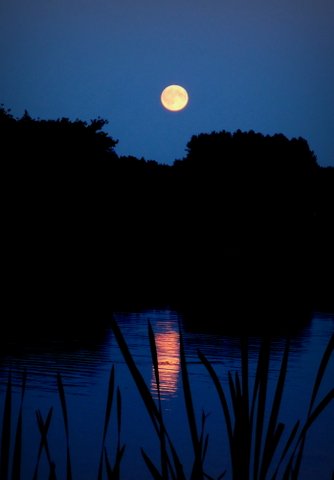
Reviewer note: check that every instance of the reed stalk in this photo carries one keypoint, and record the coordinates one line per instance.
(171, 466)
(113, 471)
(254, 431)
(175, 468)
(6, 431)
(251, 440)
(65, 418)
(43, 429)
(16, 470)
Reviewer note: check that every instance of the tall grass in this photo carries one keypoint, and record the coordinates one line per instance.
(11, 468)
(6, 434)
(261, 447)
(257, 447)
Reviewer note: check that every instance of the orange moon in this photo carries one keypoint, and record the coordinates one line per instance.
(174, 98)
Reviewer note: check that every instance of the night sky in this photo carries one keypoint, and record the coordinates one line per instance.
(265, 65)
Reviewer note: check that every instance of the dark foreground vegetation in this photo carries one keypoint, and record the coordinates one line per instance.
(243, 217)
(260, 445)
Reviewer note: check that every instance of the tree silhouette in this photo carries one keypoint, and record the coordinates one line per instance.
(87, 228)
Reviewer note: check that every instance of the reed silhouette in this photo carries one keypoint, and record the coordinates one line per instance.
(261, 446)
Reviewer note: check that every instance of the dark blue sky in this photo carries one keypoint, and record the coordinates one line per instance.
(266, 65)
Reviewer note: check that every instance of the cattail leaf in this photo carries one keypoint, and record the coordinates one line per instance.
(286, 449)
(110, 473)
(233, 393)
(6, 430)
(110, 396)
(263, 369)
(270, 450)
(237, 384)
(314, 415)
(145, 394)
(188, 397)
(52, 471)
(223, 401)
(117, 466)
(207, 476)
(62, 402)
(204, 440)
(136, 375)
(321, 370)
(44, 428)
(320, 373)
(16, 470)
(178, 474)
(197, 470)
(270, 442)
(152, 468)
(244, 370)
(65, 418)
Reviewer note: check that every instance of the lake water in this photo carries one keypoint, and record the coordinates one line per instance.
(85, 366)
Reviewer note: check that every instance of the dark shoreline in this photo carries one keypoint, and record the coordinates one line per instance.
(243, 219)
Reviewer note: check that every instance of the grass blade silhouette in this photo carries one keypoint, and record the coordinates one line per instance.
(110, 396)
(224, 404)
(274, 430)
(136, 375)
(329, 397)
(188, 396)
(197, 471)
(321, 370)
(119, 450)
(43, 429)
(65, 417)
(16, 470)
(146, 396)
(6, 430)
(245, 402)
(263, 370)
(110, 472)
(320, 373)
(156, 475)
(286, 449)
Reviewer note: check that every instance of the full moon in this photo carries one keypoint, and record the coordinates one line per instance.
(174, 98)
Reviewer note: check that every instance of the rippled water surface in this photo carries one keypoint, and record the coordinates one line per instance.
(85, 366)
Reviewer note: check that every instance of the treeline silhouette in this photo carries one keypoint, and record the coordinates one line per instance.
(243, 215)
